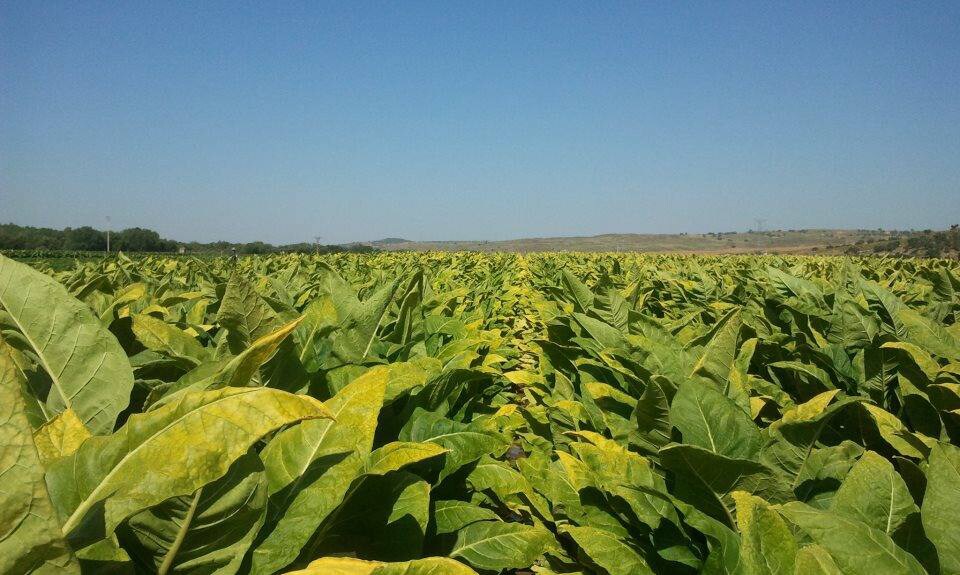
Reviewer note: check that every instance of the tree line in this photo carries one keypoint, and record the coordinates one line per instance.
(88, 239)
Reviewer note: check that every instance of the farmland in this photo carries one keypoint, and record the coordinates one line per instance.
(456, 413)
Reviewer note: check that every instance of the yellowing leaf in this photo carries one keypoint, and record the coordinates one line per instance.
(60, 436)
(396, 455)
(609, 551)
(766, 544)
(31, 540)
(310, 468)
(348, 566)
(496, 545)
(162, 337)
(167, 452)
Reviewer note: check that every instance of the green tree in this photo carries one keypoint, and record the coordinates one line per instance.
(84, 239)
(142, 240)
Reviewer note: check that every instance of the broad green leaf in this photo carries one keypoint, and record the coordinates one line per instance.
(182, 446)
(709, 419)
(399, 454)
(767, 546)
(941, 505)
(198, 313)
(465, 442)
(875, 494)
(411, 300)
(105, 556)
(808, 372)
(793, 438)
(664, 353)
(609, 467)
(616, 312)
(498, 477)
(21, 365)
(824, 471)
(310, 467)
(30, 537)
(924, 361)
(320, 319)
(495, 545)
(652, 415)
(606, 334)
(718, 356)
(927, 334)
(883, 298)
(881, 426)
(162, 337)
(243, 367)
(578, 474)
(245, 315)
(348, 566)
(815, 560)
(358, 332)
(126, 295)
(608, 551)
(706, 480)
(853, 326)
(738, 388)
(579, 292)
(857, 548)
(723, 542)
(452, 515)
(235, 372)
(406, 376)
(208, 531)
(796, 286)
(384, 518)
(88, 369)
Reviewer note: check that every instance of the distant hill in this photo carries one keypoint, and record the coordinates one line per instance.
(923, 243)
(389, 241)
(827, 241)
(926, 243)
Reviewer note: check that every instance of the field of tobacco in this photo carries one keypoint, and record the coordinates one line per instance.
(459, 413)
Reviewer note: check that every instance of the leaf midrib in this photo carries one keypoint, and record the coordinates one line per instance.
(512, 534)
(89, 501)
(41, 355)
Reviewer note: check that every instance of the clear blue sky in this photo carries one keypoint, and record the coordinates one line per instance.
(478, 120)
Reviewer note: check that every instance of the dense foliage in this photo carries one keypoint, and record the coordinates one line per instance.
(927, 243)
(460, 413)
(28, 242)
(14, 237)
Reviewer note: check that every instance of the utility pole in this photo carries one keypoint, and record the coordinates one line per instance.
(108, 235)
(316, 240)
(759, 222)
